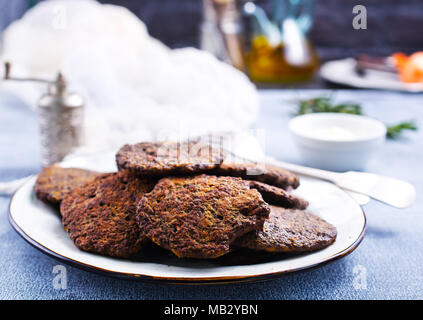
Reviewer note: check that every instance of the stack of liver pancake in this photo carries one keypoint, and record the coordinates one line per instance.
(185, 197)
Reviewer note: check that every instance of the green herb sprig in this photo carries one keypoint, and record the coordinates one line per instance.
(325, 104)
(394, 131)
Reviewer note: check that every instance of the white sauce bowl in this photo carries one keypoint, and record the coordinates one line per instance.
(336, 141)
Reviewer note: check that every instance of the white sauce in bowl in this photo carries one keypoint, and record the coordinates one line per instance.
(335, 133)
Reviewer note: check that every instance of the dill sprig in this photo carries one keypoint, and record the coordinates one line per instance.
(394, 131)
(324, 104)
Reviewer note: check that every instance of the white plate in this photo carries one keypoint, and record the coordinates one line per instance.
(343, 72)
(40, 225)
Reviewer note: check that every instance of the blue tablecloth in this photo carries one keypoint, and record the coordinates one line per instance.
(387, 265)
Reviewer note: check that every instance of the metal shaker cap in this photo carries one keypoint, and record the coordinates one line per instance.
(57, 95)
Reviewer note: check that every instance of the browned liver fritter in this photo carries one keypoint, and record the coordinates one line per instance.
(259, 172)
(54, 182)
(168, 158)
(200, 216)
(173, 158)
(100, 215)
(290, 231)
(278, 196)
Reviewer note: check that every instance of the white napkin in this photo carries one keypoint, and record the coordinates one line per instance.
(134, 86)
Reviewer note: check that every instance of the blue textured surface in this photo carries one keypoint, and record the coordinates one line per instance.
(391, 253)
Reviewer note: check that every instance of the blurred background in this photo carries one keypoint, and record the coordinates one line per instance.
(392, 25)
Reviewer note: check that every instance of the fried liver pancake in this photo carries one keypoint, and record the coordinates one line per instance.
(54, 182)
(173, 158)
(168, 158)
(289, 230)
(100, 215)
(200, 216)
(259, 172)
(278, 196)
